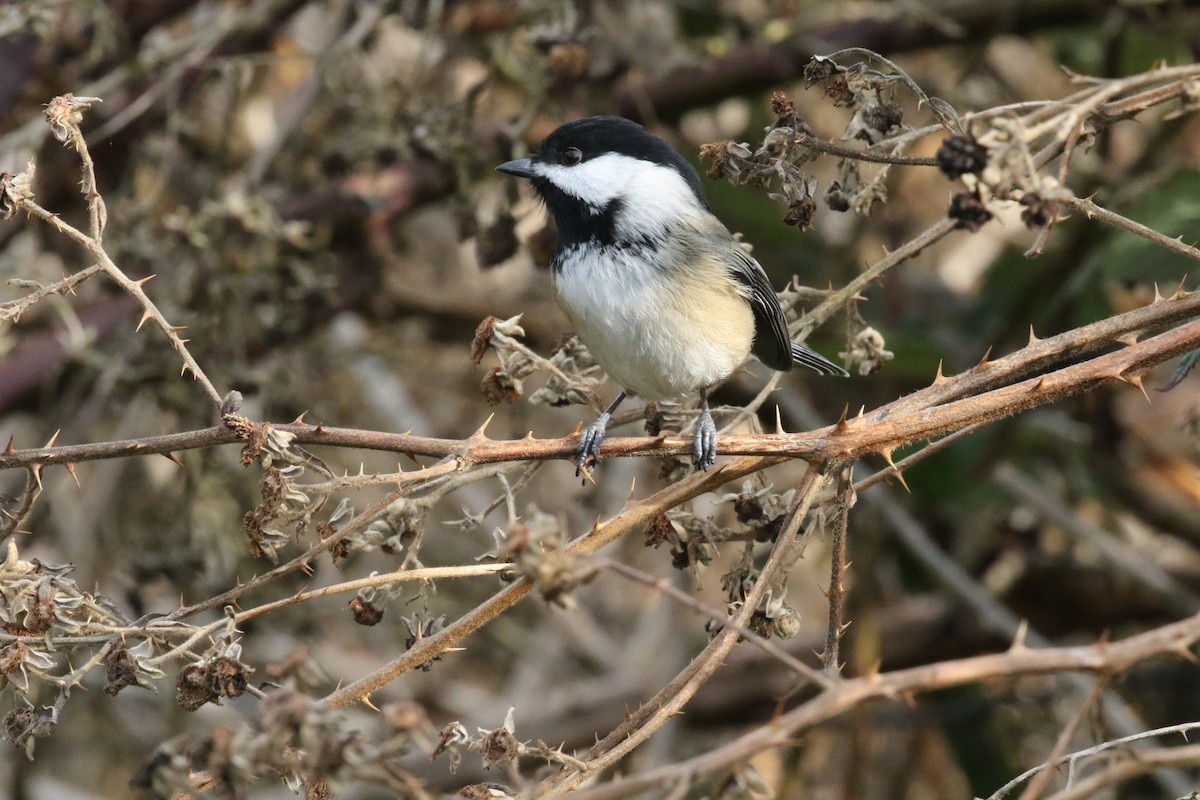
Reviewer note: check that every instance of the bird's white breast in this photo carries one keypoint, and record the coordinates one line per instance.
(659, 333)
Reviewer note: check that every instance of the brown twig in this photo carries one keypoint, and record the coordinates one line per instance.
(837, 570)
(632, 518)
(1042, 779)
(654, 713)
(921, 415)
(1144, 762)
(1093, 211)
(1103, 658)
(688, 601)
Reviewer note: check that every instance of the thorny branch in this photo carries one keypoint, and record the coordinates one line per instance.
(1104, 658)
(1024, 138)
(962, 400)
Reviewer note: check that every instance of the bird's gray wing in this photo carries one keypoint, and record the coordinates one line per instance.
(772, 344)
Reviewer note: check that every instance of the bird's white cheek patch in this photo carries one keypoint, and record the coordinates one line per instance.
(650, 191)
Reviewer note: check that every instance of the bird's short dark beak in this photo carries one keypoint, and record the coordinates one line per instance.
(522, 167)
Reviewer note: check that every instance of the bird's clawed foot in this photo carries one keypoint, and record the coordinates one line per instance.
(704, 441)
(589, 445)
(591, 437)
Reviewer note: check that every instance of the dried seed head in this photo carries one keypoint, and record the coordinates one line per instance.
(784, 111)
(16, 190)
(365, 612)
(499, 747)
(500, 387)
(21, 725)
(961, 155)
(730, 160)
(122, 670)
(968, 211)
(1038, 212)
(192, 687)
(868, 351)
(483, 339)
(883, 116)
(64, 113)
(820, 69)
(229, 676)
(801, 212)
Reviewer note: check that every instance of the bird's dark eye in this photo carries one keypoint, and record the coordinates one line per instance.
(572, 156)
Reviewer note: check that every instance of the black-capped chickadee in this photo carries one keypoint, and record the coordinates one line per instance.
(658, 289)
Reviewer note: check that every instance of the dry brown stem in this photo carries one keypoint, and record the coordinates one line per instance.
(1103, 658)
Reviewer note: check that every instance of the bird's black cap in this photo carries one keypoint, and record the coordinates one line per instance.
(596, 136)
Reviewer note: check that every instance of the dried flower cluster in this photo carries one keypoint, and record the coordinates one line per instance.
(572, 374)
(321, 165)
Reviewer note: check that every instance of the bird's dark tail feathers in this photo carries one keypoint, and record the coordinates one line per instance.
(807, 357)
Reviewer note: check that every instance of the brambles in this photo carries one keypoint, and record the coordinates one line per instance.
(322, 214)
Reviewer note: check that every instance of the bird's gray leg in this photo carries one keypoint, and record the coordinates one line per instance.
(704, 442)
(593, 435)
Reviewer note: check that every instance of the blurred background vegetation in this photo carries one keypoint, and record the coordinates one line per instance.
(312, 185)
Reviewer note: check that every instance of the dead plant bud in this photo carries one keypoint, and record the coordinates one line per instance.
(16, 190)
(961, 155)
(21, 725)
(729, 160)
(499, 747)
(231, 404)
(449, 740)
(318, 789)
(65, 113)
(556, 574)
(229, 676)
(784, 111)
(658, 531)
(486, 791)
(121, 670)
(867, 350)
(40, 613)
(483, 339)
(801, 213)
(514, 542)
(500, 387)
(365, 612)
(1038, 211)
(833, 77)
(820, 69)
(968, 211)
(774, 617)
(12, 662)
(193, 688)
(7, 206)
(264, 539)
(880, 119)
